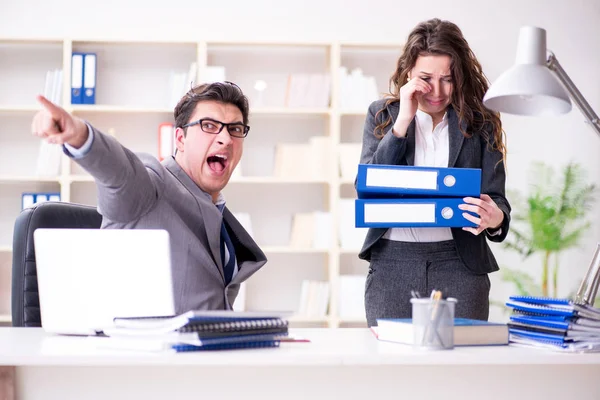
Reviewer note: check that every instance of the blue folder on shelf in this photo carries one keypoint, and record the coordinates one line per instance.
(414, 212)
(385, 181)
(77, 78)
(89, 78)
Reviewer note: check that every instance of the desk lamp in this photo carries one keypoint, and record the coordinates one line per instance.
(530, 88)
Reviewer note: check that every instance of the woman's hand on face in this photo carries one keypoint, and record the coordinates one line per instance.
(409, 94)
(490, 216)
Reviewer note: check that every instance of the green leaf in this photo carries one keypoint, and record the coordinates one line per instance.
(524, 283)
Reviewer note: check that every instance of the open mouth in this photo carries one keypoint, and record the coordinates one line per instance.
(217, 162)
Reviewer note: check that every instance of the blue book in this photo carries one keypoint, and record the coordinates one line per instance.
(432, 212)
(467, 332)
(226, 346)
(386, 181)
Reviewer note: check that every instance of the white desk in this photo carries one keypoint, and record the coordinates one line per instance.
(337, 364)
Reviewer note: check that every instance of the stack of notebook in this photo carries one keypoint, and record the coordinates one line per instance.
(199, 330)
(552, 323)
(406, 196)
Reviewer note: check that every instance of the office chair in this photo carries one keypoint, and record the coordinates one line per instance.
(25, 301)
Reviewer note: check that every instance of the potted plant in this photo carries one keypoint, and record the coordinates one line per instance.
(550, 220)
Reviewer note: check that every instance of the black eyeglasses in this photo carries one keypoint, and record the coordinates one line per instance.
(215, 127)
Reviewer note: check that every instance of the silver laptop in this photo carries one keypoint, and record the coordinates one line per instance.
(87, 277)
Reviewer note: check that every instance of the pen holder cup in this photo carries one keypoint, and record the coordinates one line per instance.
(433, 323)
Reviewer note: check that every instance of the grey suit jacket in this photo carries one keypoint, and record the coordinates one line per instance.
(137, 191)
(464, 153)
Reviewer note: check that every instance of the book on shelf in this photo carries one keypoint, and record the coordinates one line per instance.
(357, 91)
(30, 199)
(211, 73)
(308, 90)
(314, 299)
(311, 230)
(467, 332)
(303, 160)
(180, 83)
(49, 157)
(349, 159)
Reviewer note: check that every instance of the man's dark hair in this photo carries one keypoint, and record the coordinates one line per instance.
(224, 92)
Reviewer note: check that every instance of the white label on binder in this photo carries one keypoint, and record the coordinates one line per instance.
(89, 78)
(384, 177)
(77, 71)
(401, 213)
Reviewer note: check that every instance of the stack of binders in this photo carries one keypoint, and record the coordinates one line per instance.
(404, 196)
(558, 324)
(198, 331)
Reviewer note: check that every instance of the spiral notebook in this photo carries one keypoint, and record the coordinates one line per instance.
(552, 307)
(205, 323)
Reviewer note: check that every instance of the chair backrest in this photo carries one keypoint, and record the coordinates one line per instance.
(24, 293)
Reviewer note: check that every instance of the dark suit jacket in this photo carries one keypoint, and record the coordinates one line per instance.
(465, 152)
(135, 191)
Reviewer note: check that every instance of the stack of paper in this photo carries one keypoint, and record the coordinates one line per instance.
(199, 330)
(557, 324)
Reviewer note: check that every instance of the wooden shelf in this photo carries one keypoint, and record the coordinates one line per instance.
(21, 179)
(275, 180)
(349, 251)
(291, 111)
(19, 109)
(81, 178)
(358, 113)
(100, 108)
(292, 250)
(307, 319)
(341, 125)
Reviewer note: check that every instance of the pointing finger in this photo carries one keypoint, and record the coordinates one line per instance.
(52, 108)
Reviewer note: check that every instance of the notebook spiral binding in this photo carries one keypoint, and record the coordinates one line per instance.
(236, 326)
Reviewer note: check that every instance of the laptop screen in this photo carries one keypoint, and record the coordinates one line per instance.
(87, 277)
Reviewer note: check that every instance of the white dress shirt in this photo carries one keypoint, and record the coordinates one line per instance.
(432, 149)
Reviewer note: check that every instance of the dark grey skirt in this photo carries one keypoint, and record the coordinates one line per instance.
(396, 268)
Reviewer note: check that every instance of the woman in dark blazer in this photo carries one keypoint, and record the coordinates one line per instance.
(434, 116)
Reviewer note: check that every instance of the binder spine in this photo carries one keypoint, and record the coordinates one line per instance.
(389, 181)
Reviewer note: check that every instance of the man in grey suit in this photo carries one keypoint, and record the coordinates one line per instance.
(211, 252)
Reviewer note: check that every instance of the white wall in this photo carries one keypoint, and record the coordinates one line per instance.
(490, 27)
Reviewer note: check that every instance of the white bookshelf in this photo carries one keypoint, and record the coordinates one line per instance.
(132, 100)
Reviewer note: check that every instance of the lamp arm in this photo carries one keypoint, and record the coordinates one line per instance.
(553, 64)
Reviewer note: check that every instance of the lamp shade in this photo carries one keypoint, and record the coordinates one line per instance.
(529, 87)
